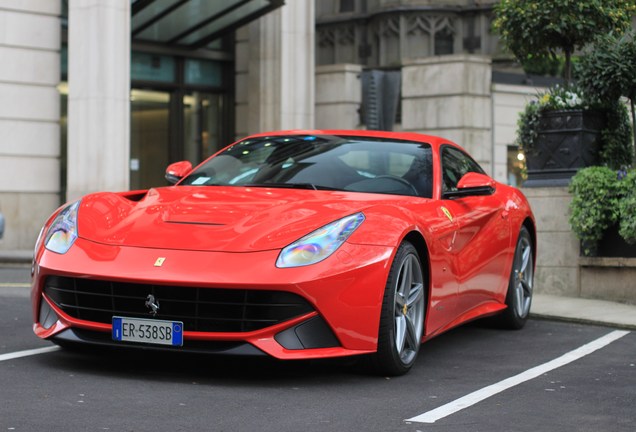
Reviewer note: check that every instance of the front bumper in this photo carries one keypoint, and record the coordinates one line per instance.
(344, 293)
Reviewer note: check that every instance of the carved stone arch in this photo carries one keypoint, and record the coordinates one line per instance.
(325, 45)
(386, 31)
(326, 36)
(389, 26)
(418, 25)
(346, 35)
(444, 33)
(443, 23)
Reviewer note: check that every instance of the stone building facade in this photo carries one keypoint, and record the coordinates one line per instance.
(74, 119)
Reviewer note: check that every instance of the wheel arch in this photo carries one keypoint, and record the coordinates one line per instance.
(529, 224)
(419, 242)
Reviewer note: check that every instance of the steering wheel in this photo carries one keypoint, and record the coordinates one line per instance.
(399, 180)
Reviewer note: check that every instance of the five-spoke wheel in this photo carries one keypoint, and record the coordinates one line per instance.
(519, 297)
(402, 318)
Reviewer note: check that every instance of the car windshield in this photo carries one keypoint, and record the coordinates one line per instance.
(347, 163)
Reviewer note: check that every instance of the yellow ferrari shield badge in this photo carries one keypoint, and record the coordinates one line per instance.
(447, 213)
(159, 261)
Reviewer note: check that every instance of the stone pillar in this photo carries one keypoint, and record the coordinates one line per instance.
(450, 96)
(275, 70)
(29, 118)
(99, 96)
(557, 270)
(508, 102)
(338, 96)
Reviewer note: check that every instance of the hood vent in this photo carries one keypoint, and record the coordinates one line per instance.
(194, 223)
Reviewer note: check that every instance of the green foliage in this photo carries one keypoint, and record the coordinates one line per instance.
(616, 137)
(609, 68)
(543, 66)
(627, 208)
(549, 66)
(542, 28)
(594, 206)
(528, 127)
(601, 198)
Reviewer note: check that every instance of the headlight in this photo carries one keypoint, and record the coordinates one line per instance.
(63, 231)
(320, 244)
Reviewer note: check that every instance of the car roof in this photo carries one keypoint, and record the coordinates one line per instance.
(408, 136)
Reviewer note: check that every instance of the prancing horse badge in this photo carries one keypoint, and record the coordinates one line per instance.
(446, 212)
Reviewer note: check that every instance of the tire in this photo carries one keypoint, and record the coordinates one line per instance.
(520, 285)
(402, 315)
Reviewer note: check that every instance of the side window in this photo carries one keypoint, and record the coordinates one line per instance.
(455, 164)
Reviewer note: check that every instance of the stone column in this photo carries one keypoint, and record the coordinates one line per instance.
(29, 118)
(275, 70)
(338, 96)
(508, 101)
(99, 96)
(557, 254)
(450, 96)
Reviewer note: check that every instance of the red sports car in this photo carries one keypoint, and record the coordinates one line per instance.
(297, 245)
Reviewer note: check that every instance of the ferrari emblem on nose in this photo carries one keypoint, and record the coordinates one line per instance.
(159, 261)
(153, 304)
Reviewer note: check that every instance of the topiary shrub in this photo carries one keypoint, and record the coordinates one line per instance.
(595, 204)
(616, 138)
(627, 208)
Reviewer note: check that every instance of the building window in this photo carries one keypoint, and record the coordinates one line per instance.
(347, 6)
(516, 166)
(152, 67)
(443, 42)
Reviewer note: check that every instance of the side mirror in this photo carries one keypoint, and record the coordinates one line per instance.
(177, 171)
(472, 184)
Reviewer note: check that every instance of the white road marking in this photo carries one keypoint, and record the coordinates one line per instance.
(486, 392)
(14, 284)
(27, 353)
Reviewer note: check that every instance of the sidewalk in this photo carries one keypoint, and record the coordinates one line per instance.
(584, 311)
(545, 306)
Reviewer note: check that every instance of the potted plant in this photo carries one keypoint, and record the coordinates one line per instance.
(559, 134)
(564, 130)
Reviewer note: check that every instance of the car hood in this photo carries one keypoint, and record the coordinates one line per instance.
(230, 219)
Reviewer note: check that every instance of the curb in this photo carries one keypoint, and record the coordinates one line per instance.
(587, 321)
(16, 257)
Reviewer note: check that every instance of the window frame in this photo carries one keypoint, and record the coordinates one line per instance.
(474, 166)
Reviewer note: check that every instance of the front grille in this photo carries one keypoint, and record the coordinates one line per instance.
(200, 309)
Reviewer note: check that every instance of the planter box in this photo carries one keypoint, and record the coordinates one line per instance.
(609, 279)
(567, 141)
(613, 245)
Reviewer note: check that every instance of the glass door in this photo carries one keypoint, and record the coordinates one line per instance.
(149, 138)
(204, 126)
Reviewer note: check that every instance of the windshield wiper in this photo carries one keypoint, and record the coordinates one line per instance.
(281, 185)
(290, 186)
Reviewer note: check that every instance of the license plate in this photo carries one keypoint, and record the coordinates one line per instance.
(148, 331)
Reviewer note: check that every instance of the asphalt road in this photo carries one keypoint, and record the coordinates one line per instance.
(96, 391)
